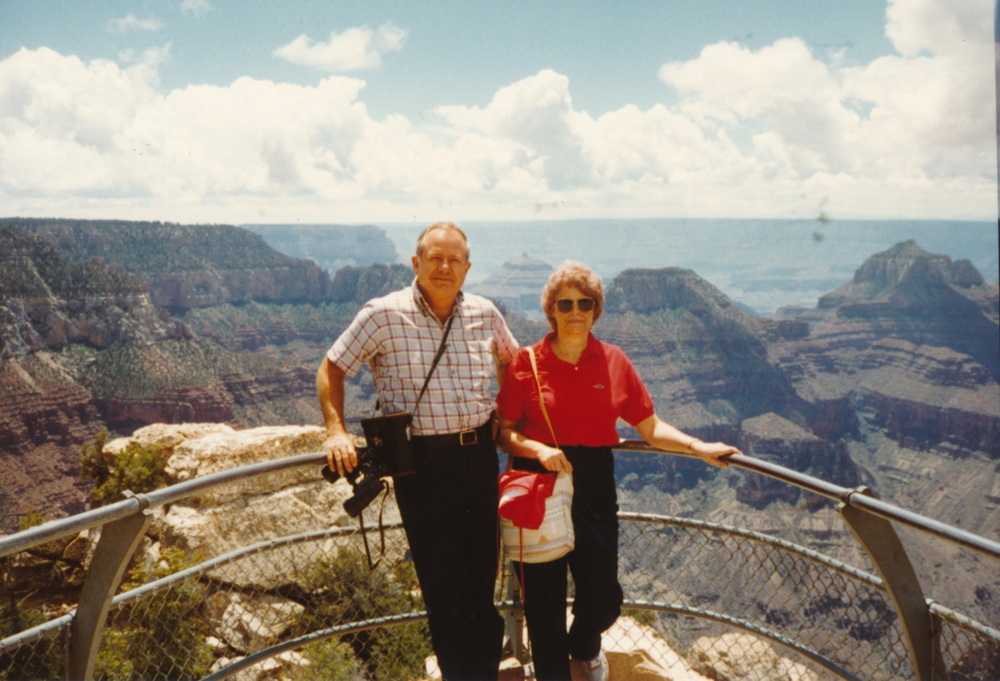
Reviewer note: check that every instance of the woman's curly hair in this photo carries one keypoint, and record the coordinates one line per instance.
(578, 276)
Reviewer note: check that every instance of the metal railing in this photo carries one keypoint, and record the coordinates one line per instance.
(703, 597)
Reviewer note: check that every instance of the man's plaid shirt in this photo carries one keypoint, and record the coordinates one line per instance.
(398, 336)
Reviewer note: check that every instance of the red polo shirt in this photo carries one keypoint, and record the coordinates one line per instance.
(584, 400)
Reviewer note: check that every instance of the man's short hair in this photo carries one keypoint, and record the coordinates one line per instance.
(447, 227)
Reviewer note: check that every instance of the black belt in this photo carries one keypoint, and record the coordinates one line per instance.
(465, 438)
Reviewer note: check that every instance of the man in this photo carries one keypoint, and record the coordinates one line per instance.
(449, 506)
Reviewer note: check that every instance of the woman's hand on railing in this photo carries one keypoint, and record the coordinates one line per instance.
(713, 453)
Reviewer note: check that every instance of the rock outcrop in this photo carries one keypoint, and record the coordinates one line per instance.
(772, 438)
(251, 511)
(189, 266)
(518, 285)
(909, 346)
(703, 359)
(83, 348)
(358, 285)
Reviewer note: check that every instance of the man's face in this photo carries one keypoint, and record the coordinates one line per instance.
(442, 267)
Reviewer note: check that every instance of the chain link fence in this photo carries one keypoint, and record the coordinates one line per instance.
(723, 602)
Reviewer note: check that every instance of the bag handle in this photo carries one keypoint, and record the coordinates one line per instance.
(541, 395)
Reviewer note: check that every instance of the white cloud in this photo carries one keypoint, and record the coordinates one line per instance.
(196, 8)
(911, 132)
(132, 23)
(938, 26)
(772, 132)
(354, 49)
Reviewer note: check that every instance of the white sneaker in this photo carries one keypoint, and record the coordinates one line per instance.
(596, 669)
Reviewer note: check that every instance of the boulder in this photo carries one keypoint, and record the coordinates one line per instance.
(247, 511)
(740, 656)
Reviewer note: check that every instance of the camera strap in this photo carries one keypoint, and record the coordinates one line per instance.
(381, 530)
(434, 363)
(385, 486)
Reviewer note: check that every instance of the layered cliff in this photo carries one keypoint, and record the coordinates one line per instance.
(703, 359)
(910, 347)
(899, 364)
(188, 266)
(83, 348)
(55, 316)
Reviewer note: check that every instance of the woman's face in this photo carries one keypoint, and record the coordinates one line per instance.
(570, 319)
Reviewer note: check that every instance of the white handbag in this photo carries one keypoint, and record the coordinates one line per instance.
(555, 537)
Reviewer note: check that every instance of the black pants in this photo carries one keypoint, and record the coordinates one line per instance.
(593, 563)
(449, 512)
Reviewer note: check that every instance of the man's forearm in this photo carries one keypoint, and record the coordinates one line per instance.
(330, 393)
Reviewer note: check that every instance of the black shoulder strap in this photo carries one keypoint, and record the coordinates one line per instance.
(437, 358)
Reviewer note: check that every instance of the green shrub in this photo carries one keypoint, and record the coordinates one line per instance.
(159, 636)
(344, 590)
(42, 659)
(642, 616)
(33, 518)
(138, 468)
(330, 659)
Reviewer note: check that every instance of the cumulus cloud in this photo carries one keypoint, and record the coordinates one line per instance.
(352, 50)
(130, 22)
(902, 124)
(771, 132)
(196, 8)
(937, 26)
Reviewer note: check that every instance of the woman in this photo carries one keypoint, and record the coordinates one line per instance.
(588, 385)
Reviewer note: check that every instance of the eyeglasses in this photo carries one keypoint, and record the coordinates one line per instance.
(582, 304)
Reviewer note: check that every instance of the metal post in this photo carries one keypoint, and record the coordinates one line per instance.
(118, 542)
(879, 539)
(514, 621)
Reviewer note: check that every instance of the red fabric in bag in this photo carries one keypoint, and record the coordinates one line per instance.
(523, 495)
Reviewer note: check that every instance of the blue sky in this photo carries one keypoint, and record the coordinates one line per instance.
(241, 111)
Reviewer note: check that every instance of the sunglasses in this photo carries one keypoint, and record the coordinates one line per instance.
(583, 305)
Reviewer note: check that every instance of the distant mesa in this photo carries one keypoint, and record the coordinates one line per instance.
(518, 285)
(330, 246)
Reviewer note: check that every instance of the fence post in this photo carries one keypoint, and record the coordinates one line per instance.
(880, 541)
(118, 542)
(514, 620)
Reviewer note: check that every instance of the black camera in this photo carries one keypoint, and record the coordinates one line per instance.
(389, 453)
(366, 480)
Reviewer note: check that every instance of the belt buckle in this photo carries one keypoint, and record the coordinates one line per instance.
(468, 437)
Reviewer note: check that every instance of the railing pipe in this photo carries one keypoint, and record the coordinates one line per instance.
(135, 503)
(322, 635)
(65, 527)
(846, 495)
(737, 623)
(174, 493)
(880, 541)
(860, 511)
(928, 525)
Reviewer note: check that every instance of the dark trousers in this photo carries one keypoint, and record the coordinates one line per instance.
(594, 566)
(449, 512)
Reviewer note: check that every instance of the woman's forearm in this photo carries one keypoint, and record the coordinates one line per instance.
(514, 443)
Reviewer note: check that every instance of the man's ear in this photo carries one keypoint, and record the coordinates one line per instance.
(416, 263)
